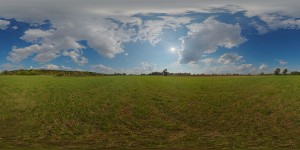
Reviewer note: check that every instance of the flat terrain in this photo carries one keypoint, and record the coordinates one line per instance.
(148, 111)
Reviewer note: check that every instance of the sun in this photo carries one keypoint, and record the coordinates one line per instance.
(172, 49)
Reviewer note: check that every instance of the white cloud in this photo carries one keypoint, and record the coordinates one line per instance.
(263, 67)
(76, 57)
(33, 35)
(45, 56)
(260, 28)
(281, 62)
(15, 27)
(194, 65)
(62, 67)
(104, 36)
(102, 69)
(50, 67)
(147, 67)
(36, 11)
(246, 67)
(229, 58)
(18, 54)
(232, 68)
(206, 37)
(277, 21)
(208, 60)
(4, 24)
(53, 67)
(47, 45)
(50, 9)
(10, 67)
(151, 30)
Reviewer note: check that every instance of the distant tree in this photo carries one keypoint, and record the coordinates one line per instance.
(5, 72)
(284, 72)
(295, 73)
(277, 71)
(262, 73)
(165, 72)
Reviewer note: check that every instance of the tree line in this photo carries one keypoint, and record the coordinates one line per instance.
(165, 72)
(277, 71)
(50, 72)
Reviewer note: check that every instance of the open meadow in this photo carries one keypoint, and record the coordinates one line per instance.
(150, 111)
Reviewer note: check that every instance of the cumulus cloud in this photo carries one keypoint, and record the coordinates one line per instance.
(246, 67)
(144, 67)
(277, 21)
(33, 35)
(281, 62)
(207, 60)
(262, 67)
(53, 67)
(206, 37)
(105, 35)
(4, 24)
(102, 69)
(147, 67)
(50, 9)
(18, 54)
(44, 53)
(10, 67)
(229, 58)
(226, 58)
(261, 29)
(50, 67)
(46, 46)
(76, 57)
(15, 27)
(232, 68)
(62, 67)
(151, 30)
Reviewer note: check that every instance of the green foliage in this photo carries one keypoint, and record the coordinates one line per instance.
(277, 71)
(295, 73)
(156, 73)
(244, 112)
(165, 72)
(51, 73)
(284, 72)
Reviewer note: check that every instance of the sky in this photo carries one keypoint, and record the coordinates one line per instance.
(143, 36)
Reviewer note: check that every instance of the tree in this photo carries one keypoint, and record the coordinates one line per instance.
(5, 72)
(295, 73)
(165, 72)
(277, 71)
(284, 72)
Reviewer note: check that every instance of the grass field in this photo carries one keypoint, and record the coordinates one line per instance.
(148, 111)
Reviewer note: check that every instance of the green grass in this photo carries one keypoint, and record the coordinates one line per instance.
(147, 111)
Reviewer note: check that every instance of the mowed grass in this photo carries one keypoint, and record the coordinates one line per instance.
(149, 111)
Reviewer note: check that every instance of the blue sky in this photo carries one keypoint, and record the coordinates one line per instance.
(141, 37)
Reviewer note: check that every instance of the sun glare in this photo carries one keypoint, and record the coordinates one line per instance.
(172, 49)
